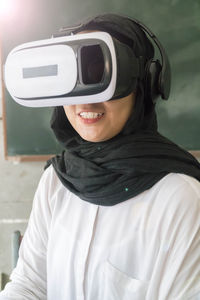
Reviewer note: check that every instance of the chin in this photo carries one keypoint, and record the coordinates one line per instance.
(93, 139)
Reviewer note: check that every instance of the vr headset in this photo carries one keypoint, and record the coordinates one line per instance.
(77, 69)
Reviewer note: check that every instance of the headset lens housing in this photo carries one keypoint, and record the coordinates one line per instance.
(92, 64)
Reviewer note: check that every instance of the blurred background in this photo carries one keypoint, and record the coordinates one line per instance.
(26, 140)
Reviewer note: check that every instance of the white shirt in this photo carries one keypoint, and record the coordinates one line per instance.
(147, 247)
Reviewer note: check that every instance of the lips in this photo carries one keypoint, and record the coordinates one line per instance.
(89, 117)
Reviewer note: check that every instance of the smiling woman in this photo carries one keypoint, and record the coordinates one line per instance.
(116, 214)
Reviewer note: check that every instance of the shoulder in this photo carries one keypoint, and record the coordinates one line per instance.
(177, 198)
(49, 176)
(172, 201)
(50, 186)
(49, 180)
(178, 186)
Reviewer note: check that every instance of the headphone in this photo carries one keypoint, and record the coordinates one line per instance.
(157, 78)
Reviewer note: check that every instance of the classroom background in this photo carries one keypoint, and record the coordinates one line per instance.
(26, 140)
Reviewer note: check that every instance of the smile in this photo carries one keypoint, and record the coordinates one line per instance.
(90, 115)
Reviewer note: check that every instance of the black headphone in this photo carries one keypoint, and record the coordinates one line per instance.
(157, 78)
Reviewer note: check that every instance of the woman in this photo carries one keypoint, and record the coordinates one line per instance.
(116, 215)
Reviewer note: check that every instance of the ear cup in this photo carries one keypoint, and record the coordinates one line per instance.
(151, 80)
(165, 80)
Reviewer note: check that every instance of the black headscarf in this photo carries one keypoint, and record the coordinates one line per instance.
(110, 172)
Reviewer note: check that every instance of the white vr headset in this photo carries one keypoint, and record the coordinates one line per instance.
(76, 69)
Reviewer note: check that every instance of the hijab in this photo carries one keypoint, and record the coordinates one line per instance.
(113, 171)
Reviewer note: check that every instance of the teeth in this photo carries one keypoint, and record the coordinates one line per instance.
(90, 115)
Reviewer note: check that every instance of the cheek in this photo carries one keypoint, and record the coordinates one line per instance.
(120, 115)
(70, 113)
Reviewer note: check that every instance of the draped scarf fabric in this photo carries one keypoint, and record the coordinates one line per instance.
(110, 172)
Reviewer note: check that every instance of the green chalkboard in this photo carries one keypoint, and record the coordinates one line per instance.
(28, 130)
(176, 23)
